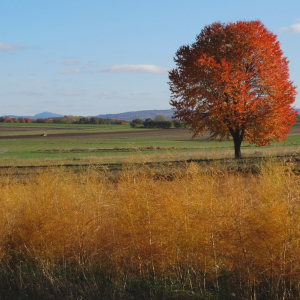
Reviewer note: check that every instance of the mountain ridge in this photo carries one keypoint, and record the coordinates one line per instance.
(126, 116)
(140, 114)
(43, 115)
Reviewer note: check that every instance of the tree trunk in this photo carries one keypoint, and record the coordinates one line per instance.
(238, 136)
(237, 148)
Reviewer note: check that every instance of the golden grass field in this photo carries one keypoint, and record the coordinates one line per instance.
(202, 232)
(147, 215)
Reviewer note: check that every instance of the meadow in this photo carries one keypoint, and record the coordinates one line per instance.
(146, 214)
(73, 144)
(7, 129)
(214, 231)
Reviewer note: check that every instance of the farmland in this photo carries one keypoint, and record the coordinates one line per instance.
(170, 232)
(23, 145)
(140, 220)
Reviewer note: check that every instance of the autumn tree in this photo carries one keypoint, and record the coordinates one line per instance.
(93, 120)
(160, 117)
(7, 119)
(26, 120)
(234, 81)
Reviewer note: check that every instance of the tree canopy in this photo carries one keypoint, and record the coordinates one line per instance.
(234, 81)
(160, 117)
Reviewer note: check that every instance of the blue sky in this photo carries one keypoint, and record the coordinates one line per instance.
(95, 57)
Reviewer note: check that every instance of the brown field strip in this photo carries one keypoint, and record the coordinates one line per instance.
(139, 133)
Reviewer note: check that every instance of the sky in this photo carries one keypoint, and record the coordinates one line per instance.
(90, 57)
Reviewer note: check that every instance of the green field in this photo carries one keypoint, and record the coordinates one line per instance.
(7, 129)
(118, 144)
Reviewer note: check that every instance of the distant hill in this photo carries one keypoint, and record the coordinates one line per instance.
(13, 116)
(45, 115)
(142, 114)
(126, 116)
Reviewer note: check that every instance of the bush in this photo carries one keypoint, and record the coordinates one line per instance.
(93, 120)
(83, 120)
(26, 120)
(160, 117)
(178, 124)
(43, 120)
(158, 124)
(137, 121)
(119, 122)
(8, 119)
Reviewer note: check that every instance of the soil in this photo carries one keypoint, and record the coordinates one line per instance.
(184, 134)
(177, 134)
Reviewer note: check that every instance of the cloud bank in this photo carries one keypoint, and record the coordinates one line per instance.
(7, 47)
(293, 28)
(119, 69)
(74, 93)
(76, 71)
(70, 62)
(135, 69)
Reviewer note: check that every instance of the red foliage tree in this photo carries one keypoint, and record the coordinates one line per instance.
(26, 120)
(7, 119)
(234, 81)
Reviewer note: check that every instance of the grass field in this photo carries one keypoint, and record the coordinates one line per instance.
(7, 129)
(189, 232)
(110, 227)
(23, 145)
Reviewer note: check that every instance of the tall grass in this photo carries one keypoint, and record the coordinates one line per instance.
(189, 233)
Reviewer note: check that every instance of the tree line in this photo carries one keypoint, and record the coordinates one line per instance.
(149, 123)
(160, 121)
(64, 120)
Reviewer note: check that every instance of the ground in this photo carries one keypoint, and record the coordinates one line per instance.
(24, 145)
(73, 232)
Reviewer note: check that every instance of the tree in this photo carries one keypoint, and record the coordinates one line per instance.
(135, 122)
(160, 117)
(178, 124)
(26, 120)
(149, 123)
(7, 119)
(234, 81)
(83, 120)
(93, 120)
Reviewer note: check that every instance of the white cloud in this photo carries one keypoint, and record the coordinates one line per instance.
(7, 47)
(108, 93)
(293, 28)
(91, 64)
(27, 93)
(139, 94)
(70, 62)
(75, 93)
(93, 67)
(135, 69)
(76, 71)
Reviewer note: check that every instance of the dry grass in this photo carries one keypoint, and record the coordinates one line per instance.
(137, 155)
(200, 230)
